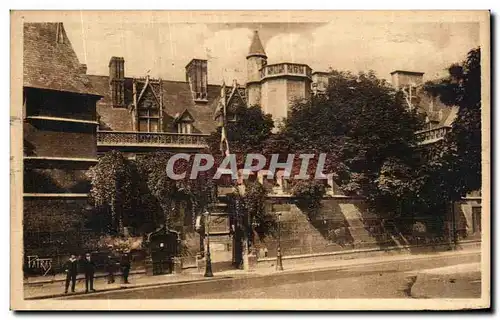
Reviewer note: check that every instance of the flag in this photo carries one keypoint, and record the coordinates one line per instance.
(224, 143)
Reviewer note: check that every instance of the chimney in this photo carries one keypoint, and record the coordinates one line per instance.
(117, 81)
(196, 75)
(83, 68)
(404, 79)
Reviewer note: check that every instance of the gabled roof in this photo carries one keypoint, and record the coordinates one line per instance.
(256, 48)
(147, 85)
(176, 96)
(49, 61)
(184, 117)
(234, 92)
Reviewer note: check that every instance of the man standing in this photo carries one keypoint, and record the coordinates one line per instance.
(89, 269)
(110, 268)
(125, 266)
(71, 269)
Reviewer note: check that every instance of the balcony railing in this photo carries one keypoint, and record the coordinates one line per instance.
(281, 69)
(151, 139)
(433, 135)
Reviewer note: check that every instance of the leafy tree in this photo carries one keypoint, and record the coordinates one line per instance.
(367, 132)
(246, 134)
(457, 159)
(168, 192)
(113, 190)
(309, 194)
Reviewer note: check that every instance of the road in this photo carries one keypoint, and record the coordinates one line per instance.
(380, 280)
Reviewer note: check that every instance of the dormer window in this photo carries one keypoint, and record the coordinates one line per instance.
(184, 123)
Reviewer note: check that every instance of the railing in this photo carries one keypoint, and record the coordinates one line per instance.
(433, 135)
(280, 69)
(154, 139)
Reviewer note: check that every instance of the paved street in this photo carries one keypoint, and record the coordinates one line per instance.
(376, 280)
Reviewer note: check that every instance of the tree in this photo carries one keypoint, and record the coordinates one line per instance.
(246, 134)
(457, 165)
(112, 188)
(367, 132)
(168, 192)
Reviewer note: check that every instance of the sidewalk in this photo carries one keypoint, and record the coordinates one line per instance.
(61, 277)
(453, 282)
(47, 290)
(56, 289)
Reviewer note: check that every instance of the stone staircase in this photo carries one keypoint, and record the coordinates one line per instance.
(354, 219)
(298, 236)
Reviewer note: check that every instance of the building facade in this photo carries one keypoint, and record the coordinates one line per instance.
(59, 138)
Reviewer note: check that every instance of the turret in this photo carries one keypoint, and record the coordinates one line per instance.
(256, 59)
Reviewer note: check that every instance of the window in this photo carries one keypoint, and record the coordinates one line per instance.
(184, 127)
(149, 118)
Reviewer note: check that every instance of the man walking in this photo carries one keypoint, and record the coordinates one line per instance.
(89, 269)
(125, 266)
(71, 269)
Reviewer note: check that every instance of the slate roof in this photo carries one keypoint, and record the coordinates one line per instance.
(256, 48)
(177, 98)
(49, 61)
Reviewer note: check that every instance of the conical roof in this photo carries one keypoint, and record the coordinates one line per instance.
(256, 48)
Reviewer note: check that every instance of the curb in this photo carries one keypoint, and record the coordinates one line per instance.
(229, 277)
(241, 281)
(79, 277)
(262, 261)
(372, 252)
(125, 287)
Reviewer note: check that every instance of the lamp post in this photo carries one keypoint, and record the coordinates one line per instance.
(279, 261)
(453, 226)
(208, 265)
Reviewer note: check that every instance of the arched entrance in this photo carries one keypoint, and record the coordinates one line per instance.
(163, 246)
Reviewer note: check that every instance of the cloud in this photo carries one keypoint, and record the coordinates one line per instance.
(343, 44)
(355, 46)
(226, 52)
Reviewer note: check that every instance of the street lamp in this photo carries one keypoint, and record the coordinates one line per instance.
(208, 265)
(279, 261)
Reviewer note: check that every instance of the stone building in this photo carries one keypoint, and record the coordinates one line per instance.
(59, 131)
(72, 117)
(142, 114)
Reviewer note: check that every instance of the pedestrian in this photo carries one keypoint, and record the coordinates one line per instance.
(89, 269)
(125, 266)
(110, 266)
(71, 269)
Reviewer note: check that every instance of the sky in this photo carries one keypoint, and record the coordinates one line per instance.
(163, 49)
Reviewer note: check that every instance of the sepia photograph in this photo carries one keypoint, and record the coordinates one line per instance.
(250, 160)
